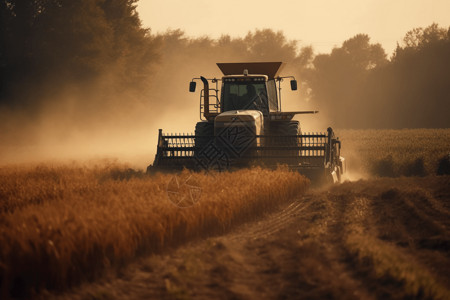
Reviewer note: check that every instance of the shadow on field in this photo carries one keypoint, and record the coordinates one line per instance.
(123, 174)
(444, 166)
(388, 167)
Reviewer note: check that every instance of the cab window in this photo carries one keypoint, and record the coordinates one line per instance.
(244, 96)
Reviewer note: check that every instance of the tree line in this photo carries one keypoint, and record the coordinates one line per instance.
(47, 45)
(360, 87)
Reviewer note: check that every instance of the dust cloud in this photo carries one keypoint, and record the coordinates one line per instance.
(81, 126)
(96, 120)
(112, 116)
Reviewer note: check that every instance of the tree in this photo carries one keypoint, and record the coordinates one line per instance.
(269, 45)
(134, 50)
(420, 78)
(58, 42)
(338, 79)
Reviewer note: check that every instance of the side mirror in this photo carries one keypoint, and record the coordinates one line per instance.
(192, 86)
(293, 84)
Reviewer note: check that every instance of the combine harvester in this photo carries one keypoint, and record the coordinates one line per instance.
(242, 125)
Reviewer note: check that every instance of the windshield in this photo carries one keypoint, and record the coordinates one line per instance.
(244, 96)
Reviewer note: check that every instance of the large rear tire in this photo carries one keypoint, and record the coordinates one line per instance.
(284, 134)
(204, 134)
(290, 128)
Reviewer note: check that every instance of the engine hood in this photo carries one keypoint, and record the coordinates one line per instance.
(252, 120)
(240, 116)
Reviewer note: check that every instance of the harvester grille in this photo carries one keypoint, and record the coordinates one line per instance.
(176, 145)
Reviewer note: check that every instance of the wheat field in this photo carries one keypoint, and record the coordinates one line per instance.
(395, 153)
(62, 224)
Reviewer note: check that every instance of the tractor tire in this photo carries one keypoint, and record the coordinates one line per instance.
(284, 134)
(280, 130)
(289, 128)
(204, 134)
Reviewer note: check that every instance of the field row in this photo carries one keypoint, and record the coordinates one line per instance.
(394, 153)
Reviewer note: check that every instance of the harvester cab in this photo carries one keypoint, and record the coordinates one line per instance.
(245, 86)
(242, 124)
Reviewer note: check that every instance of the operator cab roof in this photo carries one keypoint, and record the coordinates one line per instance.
(270, 69)
(240, 78)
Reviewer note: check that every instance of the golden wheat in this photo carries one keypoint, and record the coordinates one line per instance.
(64, 223)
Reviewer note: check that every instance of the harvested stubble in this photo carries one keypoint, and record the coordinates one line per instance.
(60, 225)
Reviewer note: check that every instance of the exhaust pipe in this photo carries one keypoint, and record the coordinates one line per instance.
(206, 97)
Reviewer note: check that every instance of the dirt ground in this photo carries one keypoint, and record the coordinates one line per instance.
(374, 239)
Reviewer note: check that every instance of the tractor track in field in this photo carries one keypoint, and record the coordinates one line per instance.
(277, 221)
(375, 239)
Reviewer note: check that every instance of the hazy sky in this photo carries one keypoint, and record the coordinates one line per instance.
(320, 23)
